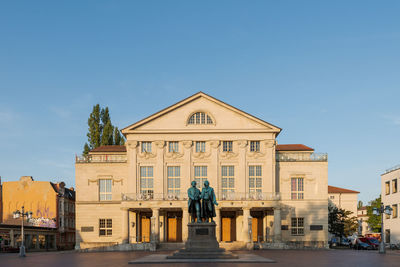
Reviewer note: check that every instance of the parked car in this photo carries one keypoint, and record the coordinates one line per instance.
(361, 243)
(373, 242)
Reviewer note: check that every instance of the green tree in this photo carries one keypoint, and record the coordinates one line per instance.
(360, 204)
(340, 222)
(374, 221)
(118, 139)
(101, 132)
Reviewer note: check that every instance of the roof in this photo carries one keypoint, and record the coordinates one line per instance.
(293, 147)
(362, 208)
(191, 98)
(334, 189)
(110, 148)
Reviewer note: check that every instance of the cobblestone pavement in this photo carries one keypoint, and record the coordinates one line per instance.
(291, 258)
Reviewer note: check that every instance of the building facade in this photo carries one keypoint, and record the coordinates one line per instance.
(362, 217)
(343, 198)
(46, 201)
(137, 193)
(391, 197)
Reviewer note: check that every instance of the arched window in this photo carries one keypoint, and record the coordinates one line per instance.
(200, 118)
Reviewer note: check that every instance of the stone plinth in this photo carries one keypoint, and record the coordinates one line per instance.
(202, 244)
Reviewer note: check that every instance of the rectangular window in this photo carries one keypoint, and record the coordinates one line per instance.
(332, 197)
(255, 179)
(227, 146)
(227, 179)
(200, 175)
(173, 147)
(146, 182)
(394, 212)
(387, 188)
(297, 226)
(297, 188)
(146, 147)
(105, 227)
(394, 186)
(105, 189)
(174, 181)
(255, 146)
(200, 146)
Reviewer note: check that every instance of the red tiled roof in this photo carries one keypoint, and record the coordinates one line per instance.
(293, 147)
(334, 189)
(111, 148)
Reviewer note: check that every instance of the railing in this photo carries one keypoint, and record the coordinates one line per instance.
(392, 169)
(104, 158)
(220, 196)
(284, 157)
(248, 196)
(152, 196)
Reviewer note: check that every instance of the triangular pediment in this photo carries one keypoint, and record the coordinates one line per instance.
(224, 117)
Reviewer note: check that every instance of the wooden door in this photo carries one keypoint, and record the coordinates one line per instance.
(145, 229)
(256, 229)
(226, 229)
(172, 229)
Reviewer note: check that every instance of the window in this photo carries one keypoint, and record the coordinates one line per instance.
(200, 118)
(105, 227)
(146, 181)
(200, 175)
(174, 181)
(394, 211)
(173, 147)
(228, 179)
(227, 146)
(255, 146)
(255, 179)
(105, 189)
(146, 147)
(387, 188)
(297, 188)
(200, 146)
(332, 197)
(394, 186)
(297, 226)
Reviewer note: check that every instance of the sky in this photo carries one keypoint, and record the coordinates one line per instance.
(326, 72)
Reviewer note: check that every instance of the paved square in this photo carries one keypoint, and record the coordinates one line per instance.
(296, 258)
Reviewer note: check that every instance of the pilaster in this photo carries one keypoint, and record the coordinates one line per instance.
(277, 225)
(185, 221)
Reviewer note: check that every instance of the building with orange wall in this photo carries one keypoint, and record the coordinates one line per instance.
(53, 214)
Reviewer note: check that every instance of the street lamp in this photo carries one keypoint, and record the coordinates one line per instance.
(380, 211)
(17, 214)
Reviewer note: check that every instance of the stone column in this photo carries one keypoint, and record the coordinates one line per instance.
(12, 238)
(218, 223)
(243, 182)
(185, 220)
(265, 225)
(125, 226)
(277, 225)
(156, 228)
(159, 170)
(245, 232)
(131, 182)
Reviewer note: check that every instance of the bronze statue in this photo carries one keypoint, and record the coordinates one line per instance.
(194, 202)
(208, 202)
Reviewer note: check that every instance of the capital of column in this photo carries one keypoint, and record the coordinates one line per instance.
(159, 143)
(187, 144)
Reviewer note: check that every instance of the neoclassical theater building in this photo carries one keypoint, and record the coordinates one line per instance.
(268, 193)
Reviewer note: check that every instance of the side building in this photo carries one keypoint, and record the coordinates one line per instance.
(343, 198)
(272, 194)
(53, 215)
(391, 197)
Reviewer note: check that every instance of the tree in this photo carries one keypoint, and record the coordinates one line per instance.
(340, 222)
(360, 204)
(374, 221)
(101, 132)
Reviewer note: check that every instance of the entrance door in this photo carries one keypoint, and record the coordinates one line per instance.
(172, 229)
(226, 229)
(145, 222)
(256, 229)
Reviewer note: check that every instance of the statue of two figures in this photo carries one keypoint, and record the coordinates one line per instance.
(201, 203)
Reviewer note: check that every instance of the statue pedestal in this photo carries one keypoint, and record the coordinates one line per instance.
(202, 244)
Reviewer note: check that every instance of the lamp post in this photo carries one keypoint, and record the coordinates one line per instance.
(380, 211)
(17, 214)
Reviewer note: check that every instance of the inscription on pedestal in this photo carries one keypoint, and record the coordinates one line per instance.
(202, 231)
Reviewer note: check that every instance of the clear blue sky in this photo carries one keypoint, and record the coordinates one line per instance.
(327, 72)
